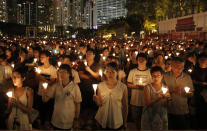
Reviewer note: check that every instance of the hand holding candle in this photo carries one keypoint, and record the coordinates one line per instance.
(101, 73)
(12, 65)
(38, 70)
(140, 82)
(95, 86)
(59, 64)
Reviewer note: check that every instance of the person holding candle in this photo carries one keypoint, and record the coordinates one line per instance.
(177, 80)
(112, 99)
(49, 75)
(89, 74)
(137, 79)
(154, 115)
(67, 97)
(20, 102)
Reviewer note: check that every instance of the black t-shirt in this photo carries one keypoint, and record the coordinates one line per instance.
(200, 75)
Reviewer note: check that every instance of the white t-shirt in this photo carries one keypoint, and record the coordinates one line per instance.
(135, 75)
(52, 71)
(64, 106)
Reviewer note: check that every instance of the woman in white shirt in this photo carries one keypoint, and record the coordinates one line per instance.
(112, 99)
(67, 100)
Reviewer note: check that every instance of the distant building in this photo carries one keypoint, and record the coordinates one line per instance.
(110, 9)
(3, 11)
(46, 15)
(26, 12)
(12, 11)
(68, 13)
(90, 15)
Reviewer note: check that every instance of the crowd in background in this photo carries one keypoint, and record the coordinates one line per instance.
(153, 83)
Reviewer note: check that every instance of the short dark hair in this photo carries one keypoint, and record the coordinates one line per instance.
(45, 52)
(143, 55)
(68, 69)
(21, 70)
(91, 50)
(156, 69)
(178, 59)
(113, 65)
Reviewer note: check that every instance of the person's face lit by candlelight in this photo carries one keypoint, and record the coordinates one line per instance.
(17, 79)
(111, 74)
(157, 77)
(177, 68)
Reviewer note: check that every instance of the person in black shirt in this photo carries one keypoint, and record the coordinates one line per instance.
(199, 77)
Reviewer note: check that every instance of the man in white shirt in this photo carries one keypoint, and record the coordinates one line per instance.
(178, 110)
(138, 78)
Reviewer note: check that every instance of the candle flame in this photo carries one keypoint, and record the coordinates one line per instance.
(45, 84)
(164, 90)
(187, 89)
(9, 94)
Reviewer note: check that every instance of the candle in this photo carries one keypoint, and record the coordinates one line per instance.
(164, 90)
(27, 47)
(187, 89)
(166, 57)
(12, 65)
(85, 63)
(136, 52)
(104, 58)
(190, 70)
(101, 54)
(9, 94)
(45, 84)
(128, 59)
(140, 82)
(127, 55)
(101, 73)
(114, 54)
(95, 88)
(177, 53)
(35, 60)
(44, 42)
(80, 57)
(59, 64)
(169, 54)
(38, 70)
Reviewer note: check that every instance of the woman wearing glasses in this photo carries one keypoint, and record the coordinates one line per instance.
(67, 100)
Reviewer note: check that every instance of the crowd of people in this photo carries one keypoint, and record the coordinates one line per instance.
(92, 84)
